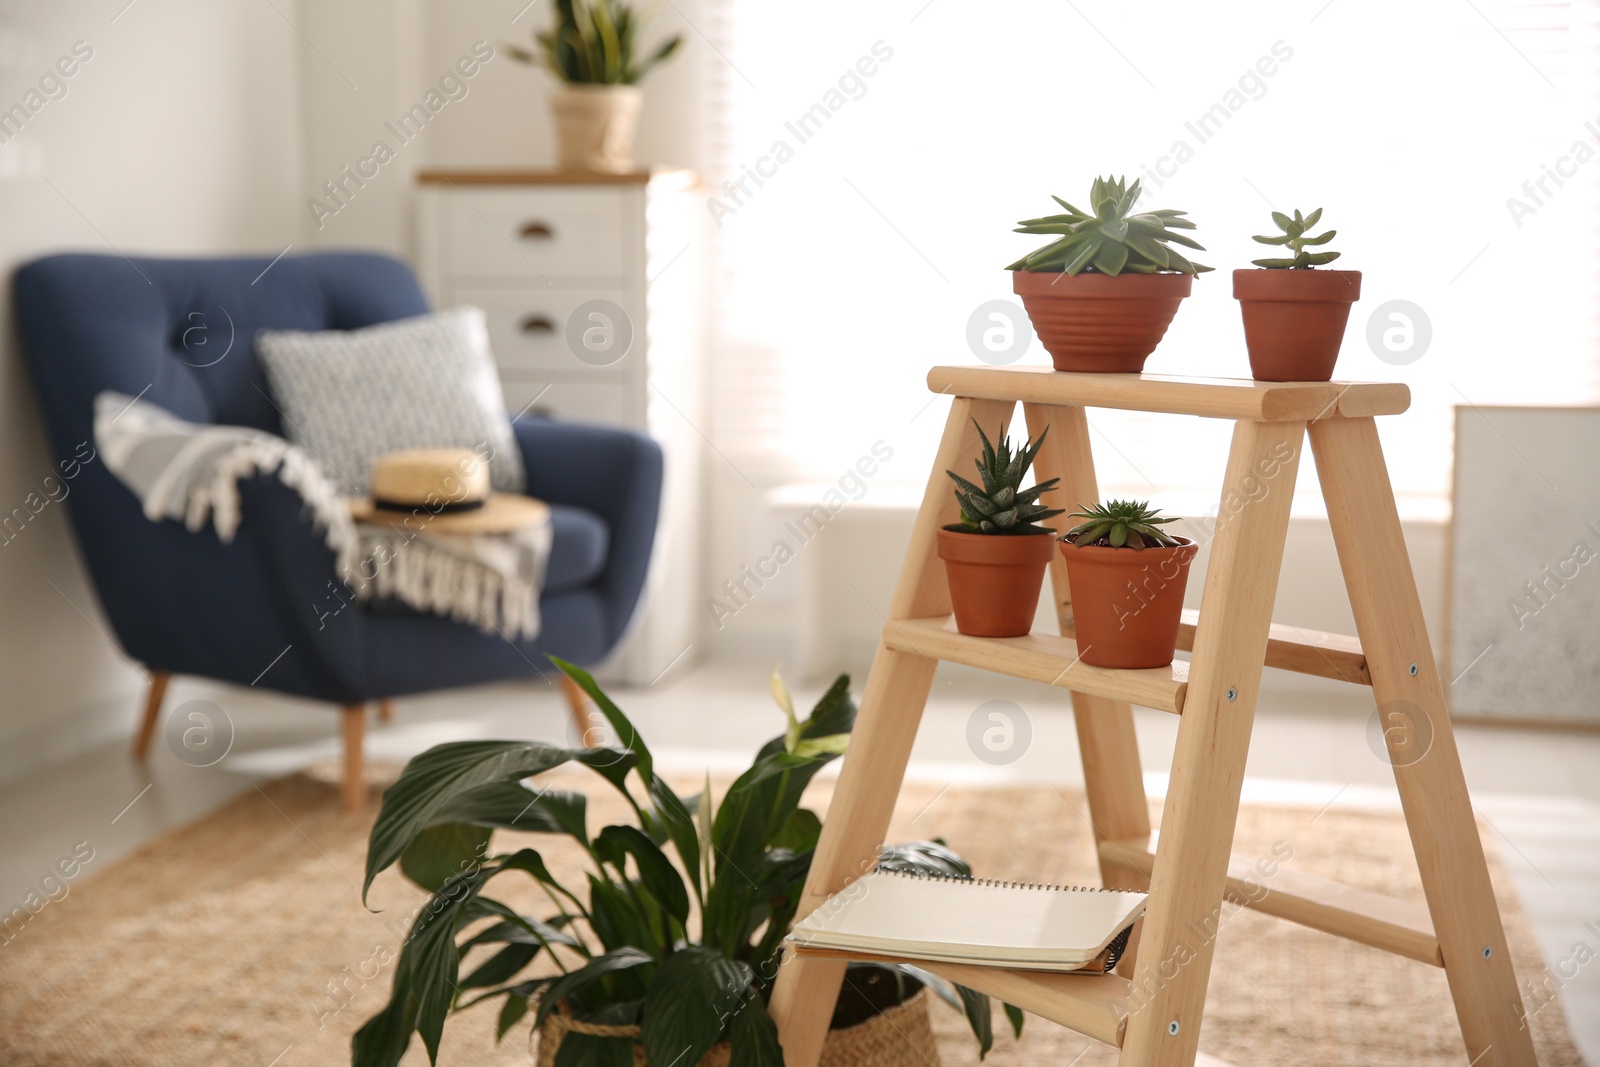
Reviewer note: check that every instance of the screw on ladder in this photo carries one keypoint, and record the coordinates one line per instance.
(1172, 1028)
(1413, 670)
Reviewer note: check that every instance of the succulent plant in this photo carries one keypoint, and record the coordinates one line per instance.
(1294, 236)
(1121, 524)
(1107, 239)
(999, 505)
(592, 43)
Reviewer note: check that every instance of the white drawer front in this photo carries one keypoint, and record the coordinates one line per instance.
(578, 401)
(528, 233)
(533, 329)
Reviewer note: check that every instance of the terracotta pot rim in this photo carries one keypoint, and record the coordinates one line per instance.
(1297, 286)
(1101, 286)
(963, 546)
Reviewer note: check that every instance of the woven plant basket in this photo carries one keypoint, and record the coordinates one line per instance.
(900, 1037)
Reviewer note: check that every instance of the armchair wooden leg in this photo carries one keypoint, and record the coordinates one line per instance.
(385, 710)
(578, 706)
(355, 782)
(152, 713)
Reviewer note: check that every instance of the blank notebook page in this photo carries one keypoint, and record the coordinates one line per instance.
(890, 913)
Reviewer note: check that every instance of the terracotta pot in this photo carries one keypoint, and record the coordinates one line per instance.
(901, 1036)
(995, 579)
(1126, 602)
(1294, 320)
(1096, 322)
(595, 125)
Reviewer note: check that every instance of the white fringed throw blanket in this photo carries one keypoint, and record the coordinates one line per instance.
(190, 473)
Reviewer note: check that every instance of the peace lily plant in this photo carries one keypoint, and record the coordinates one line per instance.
(671, 937)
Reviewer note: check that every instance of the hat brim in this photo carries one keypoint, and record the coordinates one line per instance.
(501, 513)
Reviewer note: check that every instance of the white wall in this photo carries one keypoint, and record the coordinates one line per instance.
(179, 135)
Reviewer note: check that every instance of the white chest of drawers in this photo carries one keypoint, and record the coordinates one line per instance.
(593, 289)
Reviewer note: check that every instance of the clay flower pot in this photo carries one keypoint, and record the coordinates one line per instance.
(995, 579)
(595, 125)
(1294, 320)
(1126, 602)
(1100, 322)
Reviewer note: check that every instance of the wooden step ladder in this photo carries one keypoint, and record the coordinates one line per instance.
(1151, 1009)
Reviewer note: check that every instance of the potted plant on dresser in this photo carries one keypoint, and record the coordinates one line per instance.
(591, 51)
(1127, 578)
(647, 956)
(995, 558)
(1294, 314)
(1102, 294)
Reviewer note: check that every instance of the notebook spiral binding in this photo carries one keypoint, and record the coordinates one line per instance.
(999, 883)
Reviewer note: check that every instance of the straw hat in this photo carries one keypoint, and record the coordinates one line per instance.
(443, 490)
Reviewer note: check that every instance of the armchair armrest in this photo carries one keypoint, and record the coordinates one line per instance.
(613, 473)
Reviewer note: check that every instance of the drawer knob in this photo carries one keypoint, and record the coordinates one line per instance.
(534, 229)
(537, 324)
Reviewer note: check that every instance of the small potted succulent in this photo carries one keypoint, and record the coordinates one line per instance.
(996, 556)
(1102, 294)
(1127, 577)
(1294, 315)
(590, 50)
(665, 950)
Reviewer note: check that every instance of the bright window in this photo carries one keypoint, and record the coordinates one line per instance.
(886, 150)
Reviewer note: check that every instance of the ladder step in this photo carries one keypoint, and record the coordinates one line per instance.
(1358, 915)
(1290, 648)
(1336, 656)
(1095, 1005)
(1218, 398)
(1046, 658)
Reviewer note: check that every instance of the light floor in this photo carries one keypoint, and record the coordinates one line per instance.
(1537, 790)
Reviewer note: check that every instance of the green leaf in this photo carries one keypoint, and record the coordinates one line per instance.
(382, 1039)
(511, 1013)
(754, 1036)
(513, 806)
(1317, 259)
(1111, 258)
(833, 745)
(1320, 239)
(1283, 221)
(1281, 239)
(800, 831)
(1274, 264)
(1313, 218)
(586, 1050)
(438, 776)
(1082, 257)
(656, 873)
(441, 852)
(690, 1001)
(626, 734)
(1014, 1014)
(612, 962)
(1118, 535)
(976, 1007)
(501, 967)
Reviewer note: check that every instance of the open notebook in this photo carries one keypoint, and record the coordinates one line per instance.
(1002, 924)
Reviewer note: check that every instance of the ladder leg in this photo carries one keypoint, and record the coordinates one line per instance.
(880, 744)
(1112, 775)
(891, 708)
(1433, 790)
(1202, 805)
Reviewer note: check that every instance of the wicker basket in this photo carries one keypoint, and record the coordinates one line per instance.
(900, 1037)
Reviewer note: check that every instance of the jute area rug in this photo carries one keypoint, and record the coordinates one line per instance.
(242, 940)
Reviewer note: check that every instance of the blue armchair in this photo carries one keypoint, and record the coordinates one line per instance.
(257, 611)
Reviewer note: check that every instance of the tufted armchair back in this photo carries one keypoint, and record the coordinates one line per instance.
(181, 333)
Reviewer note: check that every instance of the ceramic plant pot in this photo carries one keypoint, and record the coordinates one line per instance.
(595, 125)
(1126, 602)
(1096, 322)
(1294, 320)
(995, 579)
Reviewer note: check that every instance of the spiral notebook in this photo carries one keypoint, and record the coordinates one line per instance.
(955, 920)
